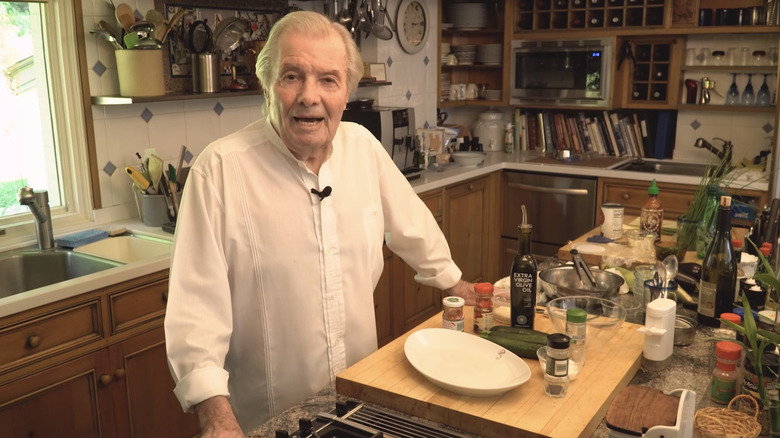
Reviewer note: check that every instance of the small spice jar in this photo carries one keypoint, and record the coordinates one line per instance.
(452, 316)
(483, 307)
(724, 376)
(556, 373)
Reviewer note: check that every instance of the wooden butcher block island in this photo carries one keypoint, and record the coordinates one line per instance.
(386, 378)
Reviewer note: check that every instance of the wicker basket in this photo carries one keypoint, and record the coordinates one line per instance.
(727, 422)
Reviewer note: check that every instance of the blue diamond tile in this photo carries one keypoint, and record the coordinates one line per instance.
(408, 94)
(109, 168)
(695, 125)
(187, 156)
(147, 115)
(389, 61)
(768, 128)
(99, 68)
(138, 15)
(426, 125)
(426, 60)
(218, 108)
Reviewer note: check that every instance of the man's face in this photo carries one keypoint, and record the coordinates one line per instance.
(310, 92)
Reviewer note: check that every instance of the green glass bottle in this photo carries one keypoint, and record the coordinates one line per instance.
(523, 279)
(719, 271)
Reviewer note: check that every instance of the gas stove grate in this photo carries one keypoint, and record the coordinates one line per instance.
(394, 426)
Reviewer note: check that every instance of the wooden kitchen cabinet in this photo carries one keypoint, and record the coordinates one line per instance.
(144, 404)
(675, 197)
(93, 365)
(467, 218)
(652, 80)
(66, 400)
(470, 226)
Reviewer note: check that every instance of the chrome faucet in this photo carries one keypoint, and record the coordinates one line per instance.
(38, 201)
(722, 153)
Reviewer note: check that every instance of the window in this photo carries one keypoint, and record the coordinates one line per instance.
(42, 127)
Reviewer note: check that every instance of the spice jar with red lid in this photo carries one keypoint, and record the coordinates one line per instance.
(483, 307)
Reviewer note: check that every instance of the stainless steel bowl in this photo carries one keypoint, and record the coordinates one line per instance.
(563, 281)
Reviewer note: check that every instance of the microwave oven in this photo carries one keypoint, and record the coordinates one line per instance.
(561, 72)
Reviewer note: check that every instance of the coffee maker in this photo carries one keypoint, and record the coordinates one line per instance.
(394, 128)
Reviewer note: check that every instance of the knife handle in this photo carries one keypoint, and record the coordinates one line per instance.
(138, 179)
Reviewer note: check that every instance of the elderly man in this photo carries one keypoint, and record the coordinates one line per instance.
(278, 245)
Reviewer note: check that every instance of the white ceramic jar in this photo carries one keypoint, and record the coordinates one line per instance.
(490, 130)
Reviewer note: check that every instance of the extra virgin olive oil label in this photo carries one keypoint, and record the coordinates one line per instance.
(523, 292)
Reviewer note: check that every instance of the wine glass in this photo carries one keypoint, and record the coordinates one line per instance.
(763, 97)
(748, 96)
(732, 97)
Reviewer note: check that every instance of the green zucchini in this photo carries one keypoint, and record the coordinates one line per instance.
(514, 343)
(526, 333)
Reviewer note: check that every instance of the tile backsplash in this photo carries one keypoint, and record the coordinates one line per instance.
(122, 130)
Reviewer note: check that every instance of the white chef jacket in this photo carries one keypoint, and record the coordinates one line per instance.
(271, 288)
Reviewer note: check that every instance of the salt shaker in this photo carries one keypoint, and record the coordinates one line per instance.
(659, 334)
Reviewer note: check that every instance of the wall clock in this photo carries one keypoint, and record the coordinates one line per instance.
(414, 23)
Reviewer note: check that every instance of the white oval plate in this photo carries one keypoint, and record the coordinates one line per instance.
(465, 364)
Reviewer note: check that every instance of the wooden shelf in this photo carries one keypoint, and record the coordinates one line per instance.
(172, 97)
(769, 69)
(470, 102)
(122, 100)
(727, 108)
(473, 66)
(647, 30)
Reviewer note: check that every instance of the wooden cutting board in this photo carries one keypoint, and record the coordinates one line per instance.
(388, 379)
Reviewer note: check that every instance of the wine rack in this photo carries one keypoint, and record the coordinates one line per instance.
(587, 14)
(651, 79)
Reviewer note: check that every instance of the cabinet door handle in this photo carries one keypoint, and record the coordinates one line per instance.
(119, 373)
(33, 341)
(105, 379)
(626, 196)
(470, 187)
(165, 297)
(551, 190)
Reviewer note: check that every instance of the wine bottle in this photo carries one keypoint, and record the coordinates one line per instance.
(718, 272)
(523, 278)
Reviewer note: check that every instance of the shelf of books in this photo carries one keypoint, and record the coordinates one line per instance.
(645, 133)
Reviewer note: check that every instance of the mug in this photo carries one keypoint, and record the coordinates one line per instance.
(472, 92)
(457, 91)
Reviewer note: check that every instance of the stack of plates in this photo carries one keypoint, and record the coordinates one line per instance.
(465, 54)
(444, 90)
(489, 54)
(469, 16)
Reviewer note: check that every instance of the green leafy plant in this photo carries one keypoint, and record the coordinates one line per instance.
(759, 340)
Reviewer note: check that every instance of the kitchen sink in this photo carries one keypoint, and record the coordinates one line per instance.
(667, 167)
(127, 249)
(25, 270)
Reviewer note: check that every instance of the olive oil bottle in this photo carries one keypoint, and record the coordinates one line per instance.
(718, 271)
(523, 278)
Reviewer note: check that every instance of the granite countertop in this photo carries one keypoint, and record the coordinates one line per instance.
(689, 369)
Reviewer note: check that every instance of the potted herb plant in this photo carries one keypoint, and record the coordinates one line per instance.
(758, 340)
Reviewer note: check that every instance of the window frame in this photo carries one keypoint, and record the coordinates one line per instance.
(71, 111)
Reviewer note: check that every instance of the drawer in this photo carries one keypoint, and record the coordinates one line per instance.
(675, 198)
(133, 307)
(50, 334)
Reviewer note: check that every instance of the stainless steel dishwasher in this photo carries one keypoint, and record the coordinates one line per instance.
(560, 208)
